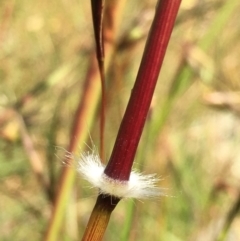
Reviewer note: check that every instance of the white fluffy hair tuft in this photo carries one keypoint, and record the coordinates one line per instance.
(139, 186)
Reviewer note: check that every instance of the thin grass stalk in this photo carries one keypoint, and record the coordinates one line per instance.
(130, 224)
(97, 16)
(52, 140)
(82, 123)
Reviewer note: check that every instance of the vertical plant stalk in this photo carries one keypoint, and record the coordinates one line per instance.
(121, 160)
(97, 16)
(100, 217)
(114, 181)
(82, 123)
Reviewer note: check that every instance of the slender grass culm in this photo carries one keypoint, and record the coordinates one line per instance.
(116, 180)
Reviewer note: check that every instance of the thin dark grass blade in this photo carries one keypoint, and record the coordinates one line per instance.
(97, 16)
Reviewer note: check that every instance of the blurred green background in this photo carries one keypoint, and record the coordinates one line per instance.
(191, 138)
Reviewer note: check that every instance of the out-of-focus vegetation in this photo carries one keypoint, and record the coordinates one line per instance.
(191, 139)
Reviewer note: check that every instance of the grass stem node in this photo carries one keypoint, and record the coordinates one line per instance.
(138, 186)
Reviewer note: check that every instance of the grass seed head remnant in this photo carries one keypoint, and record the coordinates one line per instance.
(139, 186)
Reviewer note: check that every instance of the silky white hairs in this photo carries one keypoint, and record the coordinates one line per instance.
(139, 186)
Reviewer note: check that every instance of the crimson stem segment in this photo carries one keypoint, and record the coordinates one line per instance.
(120, 163)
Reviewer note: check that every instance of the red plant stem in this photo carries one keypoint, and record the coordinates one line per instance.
(121, 160)
(102, 111)
(97, 16)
